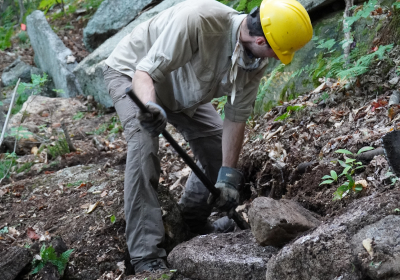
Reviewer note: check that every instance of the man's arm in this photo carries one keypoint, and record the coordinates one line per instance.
(143, 87)
(232, 140)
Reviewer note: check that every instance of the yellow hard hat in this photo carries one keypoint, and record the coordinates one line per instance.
(287, 27)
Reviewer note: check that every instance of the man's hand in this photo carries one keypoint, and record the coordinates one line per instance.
(155, 121)
(228, 182)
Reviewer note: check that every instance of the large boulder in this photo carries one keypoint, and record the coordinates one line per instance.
(225, 256)
(16, 70)
(110, 17)
(51, 54)
(89, 71)
(338, 249)
(276, 222)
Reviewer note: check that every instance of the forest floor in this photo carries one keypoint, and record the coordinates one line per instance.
(79, 196)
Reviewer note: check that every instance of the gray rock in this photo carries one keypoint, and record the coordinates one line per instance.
(13, 261)
(89, 71)
(334, 250)
(311, 5)
(110, 17)
(230, 256)
(385, 263)
(276, 222)
(17, 69)
(51, 54)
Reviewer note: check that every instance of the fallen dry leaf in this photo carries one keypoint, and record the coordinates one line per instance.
(32, 234)
(367, 243)
(363, 183)
(92, 207)
(103, 194)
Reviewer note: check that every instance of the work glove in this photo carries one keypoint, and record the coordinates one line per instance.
(228, 182)
(155, 121)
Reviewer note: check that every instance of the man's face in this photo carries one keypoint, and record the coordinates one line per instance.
(266, 52)
(260, 49)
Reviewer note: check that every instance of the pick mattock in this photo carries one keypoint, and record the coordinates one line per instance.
(242, 224)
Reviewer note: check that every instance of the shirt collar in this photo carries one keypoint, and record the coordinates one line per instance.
(236, 21)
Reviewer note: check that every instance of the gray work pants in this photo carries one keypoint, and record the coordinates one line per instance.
(203, 131)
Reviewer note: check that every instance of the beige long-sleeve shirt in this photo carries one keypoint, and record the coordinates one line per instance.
(186, 49)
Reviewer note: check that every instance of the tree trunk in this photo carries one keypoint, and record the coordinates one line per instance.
(21, 10)
(347, 29)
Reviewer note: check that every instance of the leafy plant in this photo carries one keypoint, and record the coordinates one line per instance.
(78, 116)
(25, 166)
(220, 105)
(23, 37)
(19, 133)
(331, 178)
(74, 184)
(4, 230)
(346, 187)
(350, 165)
(113, 128)
(6, 163)
(49, 255)
(361, 13)
(112, 219)
(263, 88)
(46, 5)
(289, 110)
(325, 96)
(7, 22)
(58, 91)
(60, 148)
(26, 89)
(392, 176)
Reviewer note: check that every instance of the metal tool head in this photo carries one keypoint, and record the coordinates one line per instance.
(391, 146)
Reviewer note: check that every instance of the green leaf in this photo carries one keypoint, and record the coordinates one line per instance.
(348, 160)
(338, 194)
(343, 188)
(396, 210)
(343, 164)
(358, 188)
(345, 170)
(358, 167)
(334, 175)
(112, 219)
(363, 149)
(4, 230)
(351, 181)
(327, 182)
(326, 177)
(343, 151)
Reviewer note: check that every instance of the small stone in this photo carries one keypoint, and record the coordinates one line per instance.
(394, 81)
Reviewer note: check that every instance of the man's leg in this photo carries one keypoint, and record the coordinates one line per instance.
(204, 133)
(144, 226)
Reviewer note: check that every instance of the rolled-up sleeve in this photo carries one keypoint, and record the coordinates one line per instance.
(244, 100)
(174, 47)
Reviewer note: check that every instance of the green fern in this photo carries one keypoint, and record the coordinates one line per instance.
(45, 5)
(363, 13)
(361, 66)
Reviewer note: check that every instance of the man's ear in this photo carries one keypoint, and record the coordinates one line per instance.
(260, 41)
